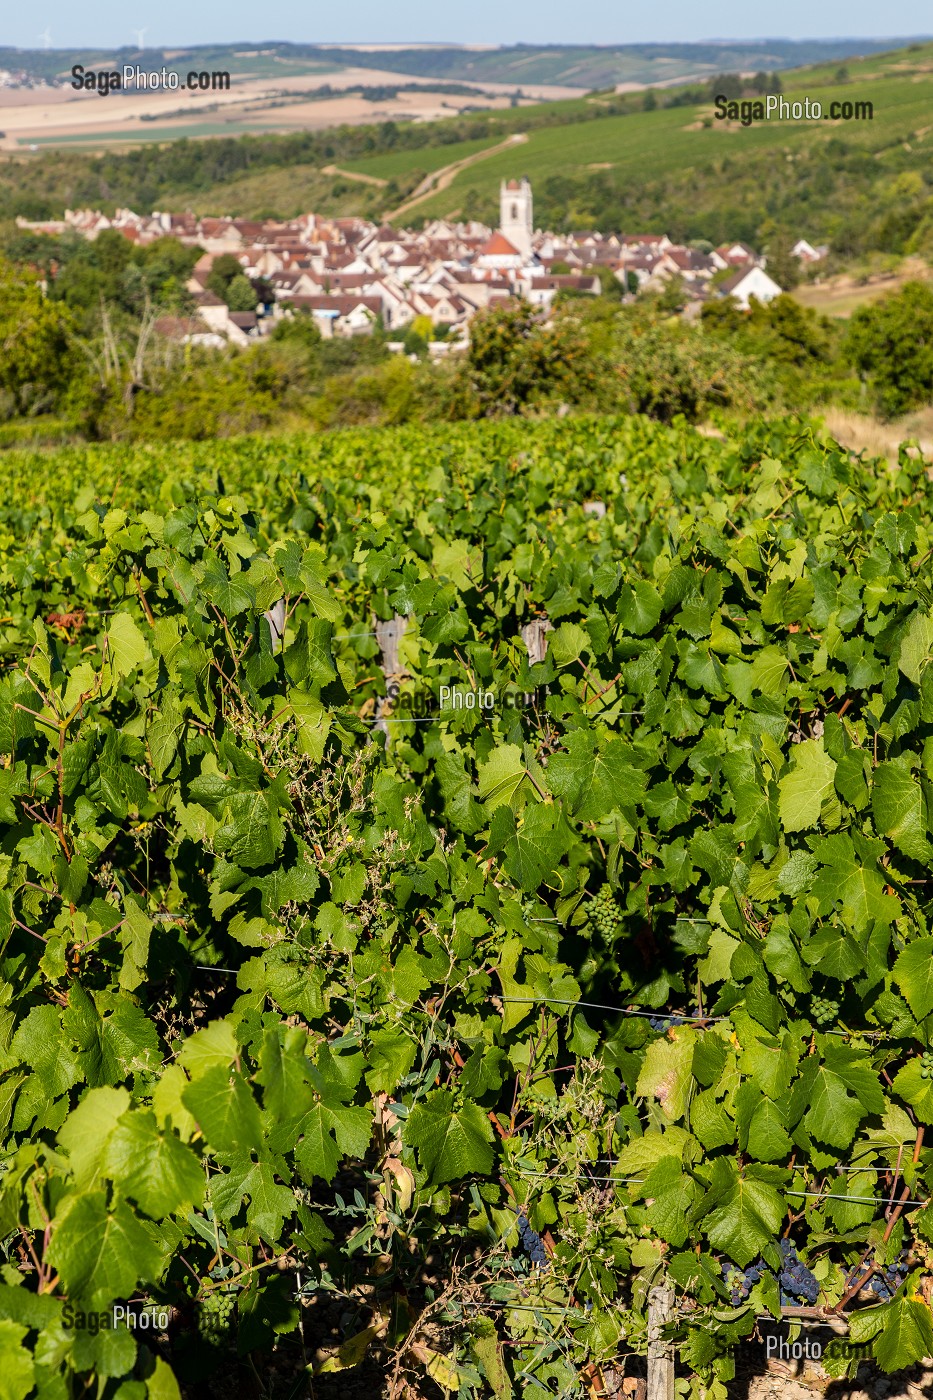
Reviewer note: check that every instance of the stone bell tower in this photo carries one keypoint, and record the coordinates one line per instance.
(515, 214)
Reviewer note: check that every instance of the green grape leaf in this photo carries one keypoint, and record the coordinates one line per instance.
(215, 1045)
(329, 1132)
(100, 1252)
(667, 1072)
(222, 1105)
(86, 1132)
(805, 787)
(285, 1071)
(913, 973)
(17, 1371)
(749, 1218)
(533, 853)
(906, 1334)
(451, 1142)
(503, 778)
(153, 1167)
(898, 808)
(126, 645)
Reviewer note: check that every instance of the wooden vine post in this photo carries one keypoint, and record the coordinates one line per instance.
(388, 637)
(534, 635)
(660, 1351)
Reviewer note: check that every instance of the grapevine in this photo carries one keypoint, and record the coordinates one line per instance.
(301, 997)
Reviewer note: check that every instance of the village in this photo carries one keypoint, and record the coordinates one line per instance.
(352, 275)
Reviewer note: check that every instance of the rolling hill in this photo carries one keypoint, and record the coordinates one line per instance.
(565, 65)
(599, 160)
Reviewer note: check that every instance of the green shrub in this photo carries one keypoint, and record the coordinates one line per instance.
(890, 343)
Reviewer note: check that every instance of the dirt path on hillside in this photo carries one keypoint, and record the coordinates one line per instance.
(440, 179)
(354, 175)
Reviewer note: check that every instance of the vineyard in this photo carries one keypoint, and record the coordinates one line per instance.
(463, 891)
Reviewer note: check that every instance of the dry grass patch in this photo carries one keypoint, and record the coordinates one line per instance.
(862, 433)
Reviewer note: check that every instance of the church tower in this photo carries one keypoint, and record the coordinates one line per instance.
(515, 214)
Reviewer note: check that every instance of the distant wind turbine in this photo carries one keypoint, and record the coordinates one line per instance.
(140, 35)
(45, 38)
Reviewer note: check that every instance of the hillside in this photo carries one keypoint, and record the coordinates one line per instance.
(598, 161)
(598, 66)
(679, 168)
(568, 65)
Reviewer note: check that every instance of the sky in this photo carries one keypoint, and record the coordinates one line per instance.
(114, 23)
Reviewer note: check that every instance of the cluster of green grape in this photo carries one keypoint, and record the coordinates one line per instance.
(215, 1315)
(926, 1065)
(604, 913)
(824, 1011)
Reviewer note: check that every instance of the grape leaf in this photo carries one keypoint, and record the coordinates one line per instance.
(126, 645)
(748, 1218)
(224, 1109)
(804, 788)
(17, 1372)
(153, 1167)
(913, 973)
(451, 1142)
(100, 1252)
(328, 1132)
(898, 808)
(86, 1131)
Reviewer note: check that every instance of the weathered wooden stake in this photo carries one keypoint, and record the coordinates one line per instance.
(660, 1352)
(388, 636)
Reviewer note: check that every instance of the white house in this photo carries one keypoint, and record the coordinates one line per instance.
(750, 282)
(807, 253)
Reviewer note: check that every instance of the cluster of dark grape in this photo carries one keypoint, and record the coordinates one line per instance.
(739, 1282)
(885, 1282)
(215, 1316)
(926, 1064)
(604, 913)
(661, 1023)
(824, 1011)
(531, 1243)
(795, 1278)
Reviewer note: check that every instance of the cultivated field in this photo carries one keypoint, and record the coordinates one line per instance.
(281, 102)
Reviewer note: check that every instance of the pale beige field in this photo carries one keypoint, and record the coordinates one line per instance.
(30, 115)
(844, 293)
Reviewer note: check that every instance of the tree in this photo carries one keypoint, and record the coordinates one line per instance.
(223, 270)
(240, 295)
(782, 265)
(514, 360)
(36, 355)
(299, 329)
(891, 345)
(610, 286)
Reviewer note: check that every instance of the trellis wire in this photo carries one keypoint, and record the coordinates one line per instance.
(637, 1180)
(661, 1015)
(600, 1006)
